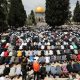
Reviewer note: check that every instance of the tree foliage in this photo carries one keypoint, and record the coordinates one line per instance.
(3, 14)
(32, 17)
(57, 11)
(17, 14)
(76, 15)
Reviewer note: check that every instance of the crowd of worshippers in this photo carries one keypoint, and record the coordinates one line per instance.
(41, 69)
(34, 43)
(55, 53)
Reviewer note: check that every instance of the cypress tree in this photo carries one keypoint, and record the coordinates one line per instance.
(68, 21)
(76, 14)
(32, 17)
(17, 14)
(3, 14)
(57, 11)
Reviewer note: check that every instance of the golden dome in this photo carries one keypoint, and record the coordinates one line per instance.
(39, 10)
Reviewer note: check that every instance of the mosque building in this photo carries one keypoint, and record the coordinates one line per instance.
(40, 14)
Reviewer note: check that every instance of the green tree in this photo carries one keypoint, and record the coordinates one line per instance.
(57, 11)
(76, 14)
(17, 14)
(32, 17)
(8, 5)
(3, 14)
(69, 18)
(29, 21)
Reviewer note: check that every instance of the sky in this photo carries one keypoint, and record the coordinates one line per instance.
(32, 4)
